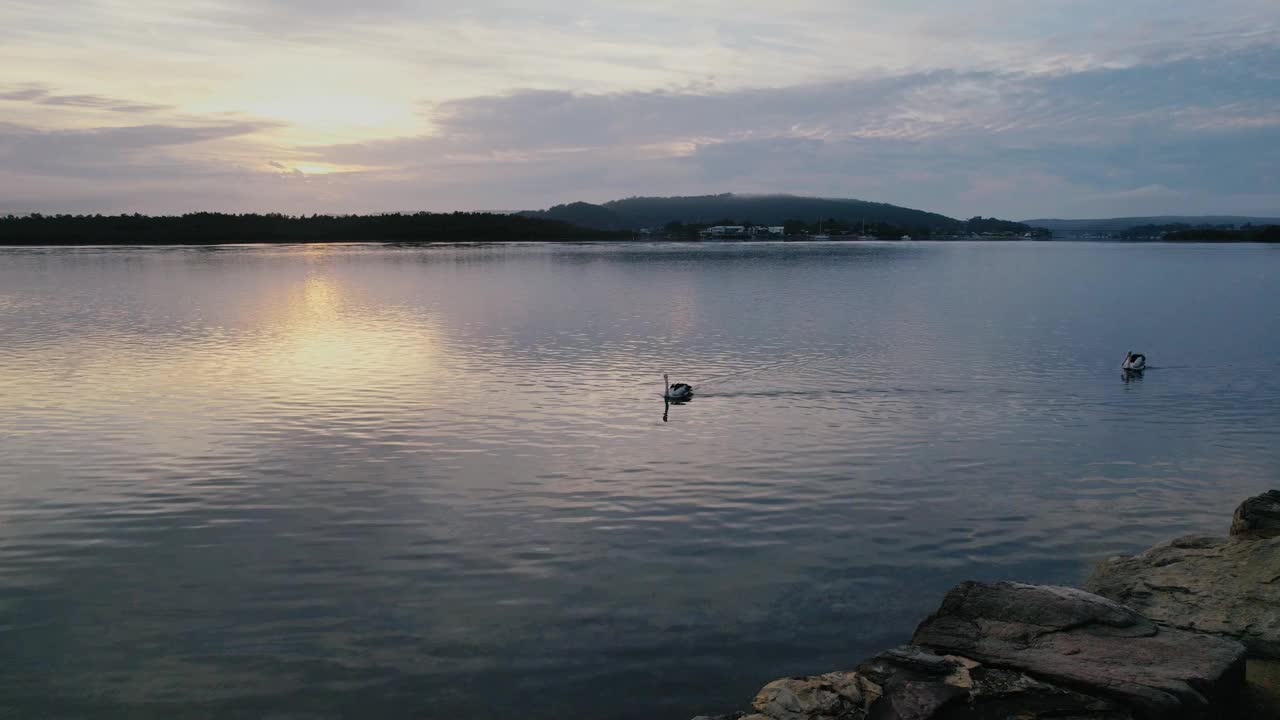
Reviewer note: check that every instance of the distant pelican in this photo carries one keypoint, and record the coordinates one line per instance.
(678, 391)
(1134, 362)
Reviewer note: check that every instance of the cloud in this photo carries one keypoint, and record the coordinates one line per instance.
(28, 94)
(43, 95)
(118, 153)
(103, 103)
(988, 106)
(951, 141)
(745, 42)
(1090, 106)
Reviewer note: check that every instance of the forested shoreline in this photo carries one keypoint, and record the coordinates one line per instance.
(461, 227)
(220, 228)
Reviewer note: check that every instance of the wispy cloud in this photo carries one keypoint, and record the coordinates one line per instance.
(958, 142)
(43, 95)
(118, 153)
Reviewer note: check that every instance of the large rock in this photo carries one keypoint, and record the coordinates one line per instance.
(1258, 517)
(1227, 586)
(833, 696)
(1073, 639)
(916, 684)
(1011, 651)
(911, 683)
(1031, 652)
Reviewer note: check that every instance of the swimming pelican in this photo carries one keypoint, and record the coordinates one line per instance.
(677, 391)
(1136, 362)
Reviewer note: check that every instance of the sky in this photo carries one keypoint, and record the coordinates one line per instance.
(1012, 108)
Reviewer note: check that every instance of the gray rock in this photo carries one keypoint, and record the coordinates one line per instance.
(912, 683)
(916, 684)
(833, 696)
(1008, 651)
(1069, 638)
(1225, 586)
(1258, 517)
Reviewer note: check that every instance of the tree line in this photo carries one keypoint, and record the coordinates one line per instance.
(206, 228)
(1248, 233)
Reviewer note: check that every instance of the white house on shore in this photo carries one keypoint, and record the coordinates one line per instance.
(740, 232)
(718, 232)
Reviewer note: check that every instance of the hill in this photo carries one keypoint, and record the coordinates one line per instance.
(656, 212)
(583, 215)
(1113, 226)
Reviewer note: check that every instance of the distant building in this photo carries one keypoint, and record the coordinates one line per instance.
(722, 232)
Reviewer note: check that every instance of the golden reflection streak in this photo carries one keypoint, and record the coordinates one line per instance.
(322, 337)
(308, 346)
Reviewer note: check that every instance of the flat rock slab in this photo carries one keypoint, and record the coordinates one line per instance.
(911, 683)
(1175, 648)
(995, 651)
(1074, 639)
(916, 684)
(1226, 586)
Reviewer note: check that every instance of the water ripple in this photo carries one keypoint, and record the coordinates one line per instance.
(438, 482)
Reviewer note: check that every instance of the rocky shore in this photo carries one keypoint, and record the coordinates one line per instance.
(1188, 629)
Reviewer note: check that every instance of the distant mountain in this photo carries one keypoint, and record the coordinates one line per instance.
(1111, 226)
(656, 212)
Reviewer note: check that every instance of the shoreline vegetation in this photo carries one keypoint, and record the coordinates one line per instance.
(220, 229)
(1257, 234)
(206, 228)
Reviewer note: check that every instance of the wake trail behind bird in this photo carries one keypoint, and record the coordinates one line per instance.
(718, 380)
(752, 372)
(833, 392)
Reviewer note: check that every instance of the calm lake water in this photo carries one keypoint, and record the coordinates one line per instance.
(405, 482)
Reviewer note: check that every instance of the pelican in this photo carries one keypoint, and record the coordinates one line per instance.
(676, 391)
(1135, 362)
